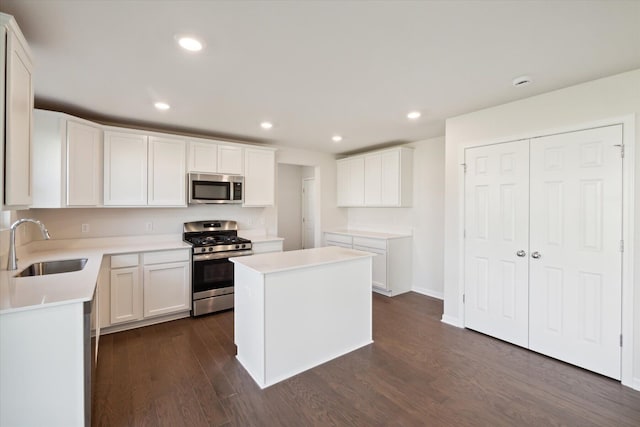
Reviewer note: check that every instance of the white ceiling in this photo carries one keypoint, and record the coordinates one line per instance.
(316, 68)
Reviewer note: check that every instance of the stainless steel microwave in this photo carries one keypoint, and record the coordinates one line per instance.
(205, 188)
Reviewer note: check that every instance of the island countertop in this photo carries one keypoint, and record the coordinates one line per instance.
(292, 260)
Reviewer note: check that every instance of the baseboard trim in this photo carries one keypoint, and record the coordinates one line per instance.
(453, 321)
(635, 384)
(146, 322)
(429, 293)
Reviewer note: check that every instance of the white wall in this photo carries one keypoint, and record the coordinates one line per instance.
(611, 97)
(425, 219)
(289, 195)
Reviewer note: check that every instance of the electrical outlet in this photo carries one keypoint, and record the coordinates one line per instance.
(85, 228)
(148, 226)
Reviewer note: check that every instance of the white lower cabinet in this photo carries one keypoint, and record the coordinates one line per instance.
(379, 266)
(166, 288)
(126, 295)
(147, 285)
(126, 289)
(392, 264)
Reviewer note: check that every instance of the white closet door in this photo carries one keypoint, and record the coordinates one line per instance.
(496, 228)
(576, 212)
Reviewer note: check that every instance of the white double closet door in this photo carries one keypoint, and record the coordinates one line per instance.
(543, 226)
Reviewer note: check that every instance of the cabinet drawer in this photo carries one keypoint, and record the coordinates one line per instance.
(338, 238)
(126, 260)
(370, 243)
(162, 257)
(264, 247)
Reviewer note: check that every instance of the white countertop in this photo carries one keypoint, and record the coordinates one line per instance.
(28, 293)
(371, 234)
(292, 260)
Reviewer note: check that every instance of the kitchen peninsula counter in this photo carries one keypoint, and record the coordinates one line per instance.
(36, 292)
(298, 309)
(45, 328)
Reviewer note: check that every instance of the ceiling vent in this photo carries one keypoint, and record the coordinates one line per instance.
(521, 81)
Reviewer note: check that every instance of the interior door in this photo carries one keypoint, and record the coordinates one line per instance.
(496, 237)
(575, 264)
(308, 209)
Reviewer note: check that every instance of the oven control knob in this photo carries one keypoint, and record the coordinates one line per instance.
(210, 249)
(237, 246)
(244, 246)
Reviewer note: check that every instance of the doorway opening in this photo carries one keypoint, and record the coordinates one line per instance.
(297, 203)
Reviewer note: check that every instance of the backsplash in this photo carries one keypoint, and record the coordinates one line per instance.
(109, 222)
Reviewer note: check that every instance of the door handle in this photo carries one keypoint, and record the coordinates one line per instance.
(521, 253)
(536, 255)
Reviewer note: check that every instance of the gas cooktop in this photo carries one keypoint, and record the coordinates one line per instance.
(214, 236)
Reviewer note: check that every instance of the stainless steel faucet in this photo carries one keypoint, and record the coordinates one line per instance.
(13, 259)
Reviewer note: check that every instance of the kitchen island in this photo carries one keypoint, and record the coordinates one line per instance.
(298, 309)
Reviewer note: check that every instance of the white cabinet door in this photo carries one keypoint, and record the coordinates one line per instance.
(230, 160)
(84, 165)
(18, 123)
(203, 157)
(356, 181)
(379, 266)
(259, 177)
(125, 169)
(576, 227)
(166, 288)
(342, 182)
(350, 181)
(496, 226)
(126, 295)
(390, 182)
(373, 171)
(167, 175)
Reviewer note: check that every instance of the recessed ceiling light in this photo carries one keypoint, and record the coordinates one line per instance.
(336, 138)
(522, 81)
(414, 115)
(191, 44)
(266, 125)
(162, 106)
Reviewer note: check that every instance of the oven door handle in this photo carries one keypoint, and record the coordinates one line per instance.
(220, 255)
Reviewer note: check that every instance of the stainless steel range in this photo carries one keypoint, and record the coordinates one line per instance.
(214, 242)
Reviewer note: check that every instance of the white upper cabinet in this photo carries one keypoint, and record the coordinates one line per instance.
(67, 161)
(379, 179)
(213, 157)
(373, 181)
(16, 117)
(203, 157)
(259, 178)
(350, 181)
(167, 175)
(125, 169)
(141, 170)
(230, 160)
(84, 165)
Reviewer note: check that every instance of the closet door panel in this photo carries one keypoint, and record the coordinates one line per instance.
(496, 229)
(575, 279)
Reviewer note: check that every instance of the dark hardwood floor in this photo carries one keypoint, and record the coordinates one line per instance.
(418, 372)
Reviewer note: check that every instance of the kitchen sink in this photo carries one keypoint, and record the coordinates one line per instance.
(53, 267)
